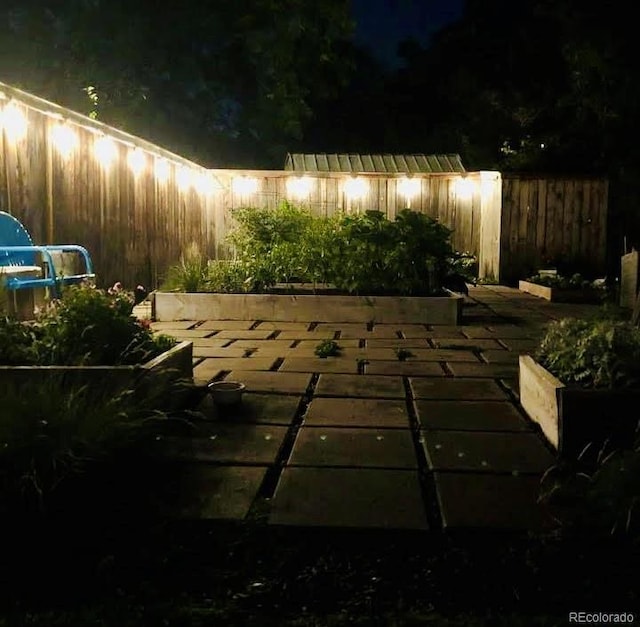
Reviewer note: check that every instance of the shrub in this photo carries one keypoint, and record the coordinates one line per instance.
(87, 326)
(189, 274)
(592, 353)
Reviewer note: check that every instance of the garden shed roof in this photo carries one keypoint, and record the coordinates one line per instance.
(409, 164)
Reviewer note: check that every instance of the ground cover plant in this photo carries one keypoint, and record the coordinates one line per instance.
(576, 281)
(87, 326)
(362, 253)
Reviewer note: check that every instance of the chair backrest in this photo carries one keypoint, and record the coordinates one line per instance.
(13, 233)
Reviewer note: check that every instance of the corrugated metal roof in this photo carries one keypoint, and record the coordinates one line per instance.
(410, 164)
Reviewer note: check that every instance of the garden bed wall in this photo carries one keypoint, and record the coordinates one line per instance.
(308, 308)
(171, 366)
(629, 279)
(560, 295)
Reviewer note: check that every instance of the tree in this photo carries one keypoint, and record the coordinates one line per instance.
(228, 83)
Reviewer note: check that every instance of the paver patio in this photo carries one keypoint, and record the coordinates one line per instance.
(363, 439)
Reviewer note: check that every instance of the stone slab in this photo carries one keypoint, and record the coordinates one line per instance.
(349, 497)
(205, 492)
(358, 327)
(500, 356)
(313, 336)
(445, 330)
(220, 353)
(210, 367)
(496, 371)
(315, 364)
(209, 342)
(172, 326)
(405, 368)
(470, 415)
(363, 386)
(350, 447)
(457, 389)
(257, 344)
(520, 345)
(257, 408)
(225, 444)
(283, 326)
(465, 343)
(496, 332)
(356, 412)
(227, 325)
(279, 382)
(375, 342)
(238, 334)
(187, 334)
(486, 451)
(485, 501)
(311, 343)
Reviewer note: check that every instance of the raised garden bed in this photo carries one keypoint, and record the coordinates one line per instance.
(172, 365)
(306, 307)
(562, 295)
(629, 279)
(572, 417)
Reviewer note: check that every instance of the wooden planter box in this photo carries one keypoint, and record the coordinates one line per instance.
(558, 295)
(172, 365)
(571, 418)
(629, 279)
(168, 306)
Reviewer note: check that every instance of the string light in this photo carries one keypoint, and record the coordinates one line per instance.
(244, 185)
(355, 188)
(105, 150)
(409, 188)
(14, 122)
(464, 188)
(137, 161)
(184, 178)
(162, 170)
(64, 139)
(299, 187)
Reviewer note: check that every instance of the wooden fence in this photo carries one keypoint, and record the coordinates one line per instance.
(136, 206)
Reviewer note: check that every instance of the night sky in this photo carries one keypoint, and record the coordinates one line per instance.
(382, 24)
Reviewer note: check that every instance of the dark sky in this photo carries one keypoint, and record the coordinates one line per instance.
(382, 24)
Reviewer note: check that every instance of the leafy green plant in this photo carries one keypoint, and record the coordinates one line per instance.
(403, 353)
(594, 353)
(327, 348)
(575, 281)
(87, 326)
(51, 433)
(189, 274)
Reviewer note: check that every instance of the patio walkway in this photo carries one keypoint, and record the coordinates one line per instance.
(363, 439)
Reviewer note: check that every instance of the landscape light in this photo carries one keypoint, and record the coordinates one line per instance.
(244, 185)
(64, 139)
(184, 178)
(14, 122)
(137, 161)
(355, 188)
(105, 150)
(299, 187)
(464, 188)
(162, 170)
(409, 188)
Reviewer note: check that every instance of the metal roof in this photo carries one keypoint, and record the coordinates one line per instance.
(384, 164)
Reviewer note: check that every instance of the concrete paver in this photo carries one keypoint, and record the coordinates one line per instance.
(213, 351)
(349, 497)
(316, 364)
(366, 386)
(224, 443)
(457, 389)
(454, 343)
(210, 368)
(356, 412)
(495, 370)
(227, 325)
(282, 382)
(470, 415)
(406, 368)
(255, 334)
(206, 492)
(274, 409)
(486, 451)
(359, 448)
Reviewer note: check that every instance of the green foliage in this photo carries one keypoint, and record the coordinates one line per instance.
(403, 353)
(575, 281)
(189, 274)
(598, 353)
(87, 327)
(51, 432)
(601, 500)
(327, 348)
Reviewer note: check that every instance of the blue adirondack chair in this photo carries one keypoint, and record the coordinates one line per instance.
(19, 258)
